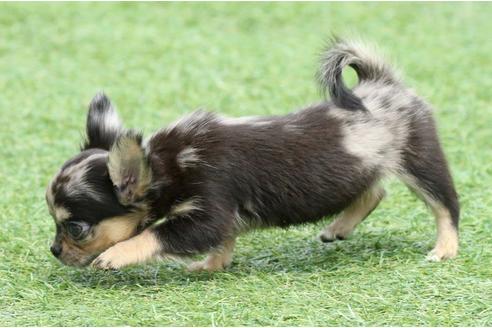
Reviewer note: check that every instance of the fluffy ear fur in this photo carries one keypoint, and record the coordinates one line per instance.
(103, 124)
(128, 168)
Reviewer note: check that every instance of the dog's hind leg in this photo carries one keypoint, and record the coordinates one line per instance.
(216, 260)
(346, 222)
(426, 173)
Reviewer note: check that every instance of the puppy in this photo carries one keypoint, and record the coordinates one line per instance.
(194, 186)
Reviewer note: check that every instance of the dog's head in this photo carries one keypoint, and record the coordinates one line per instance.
(96, 199)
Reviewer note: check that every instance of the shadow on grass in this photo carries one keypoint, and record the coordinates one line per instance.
(288, 256)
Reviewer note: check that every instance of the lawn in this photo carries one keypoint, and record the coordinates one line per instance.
(159, 61)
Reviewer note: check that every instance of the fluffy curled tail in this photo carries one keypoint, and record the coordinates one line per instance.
(368, 66)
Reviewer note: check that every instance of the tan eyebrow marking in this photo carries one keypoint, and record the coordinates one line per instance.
(61, 213)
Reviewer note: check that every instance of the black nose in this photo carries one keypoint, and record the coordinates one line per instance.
(56, 249)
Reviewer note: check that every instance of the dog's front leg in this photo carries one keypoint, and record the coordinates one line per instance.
(138, 249)
(182, 236)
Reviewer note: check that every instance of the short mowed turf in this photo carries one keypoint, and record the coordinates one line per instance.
(160, 61)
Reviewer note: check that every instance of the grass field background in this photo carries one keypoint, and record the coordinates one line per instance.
(159, 61)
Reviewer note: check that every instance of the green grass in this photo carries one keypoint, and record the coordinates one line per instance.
(159, 61)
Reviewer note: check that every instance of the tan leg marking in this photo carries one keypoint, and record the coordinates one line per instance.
(346, 222)
(141, 248)
(447, 236)
(216, 260)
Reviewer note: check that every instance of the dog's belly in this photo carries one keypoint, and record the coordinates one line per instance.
(309, 208)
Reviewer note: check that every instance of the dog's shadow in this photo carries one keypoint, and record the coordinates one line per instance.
(288, 256)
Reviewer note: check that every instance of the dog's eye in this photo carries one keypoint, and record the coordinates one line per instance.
(77, 230)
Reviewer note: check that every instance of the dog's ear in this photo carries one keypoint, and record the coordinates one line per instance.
(103, 124)
(129, 168)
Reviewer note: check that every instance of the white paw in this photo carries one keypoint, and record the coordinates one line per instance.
(209, 265)
(197, 266)
(439, 253)
(112, 258)
(138, 249)
(329, 235)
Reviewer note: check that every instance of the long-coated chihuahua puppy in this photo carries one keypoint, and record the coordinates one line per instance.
(194, 186)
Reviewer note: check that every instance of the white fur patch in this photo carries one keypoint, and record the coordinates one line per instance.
(188, 157)
(379, 135)
(145, 145)
(249, 120)
(186, 207)
(241, 223)
(111, 120)
(368, 141)
(107, 119)
(292, 128)
(249, 206)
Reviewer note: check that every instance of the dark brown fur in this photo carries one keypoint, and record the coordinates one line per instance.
(212, 178)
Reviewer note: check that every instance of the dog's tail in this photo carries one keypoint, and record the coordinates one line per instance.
(368, 66)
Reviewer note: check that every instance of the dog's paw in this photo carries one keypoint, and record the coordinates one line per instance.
(199, 266)
(203, 266)
(440, 253)
(111, 259)
(209, 265)
(328, 236)
(139, 249)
